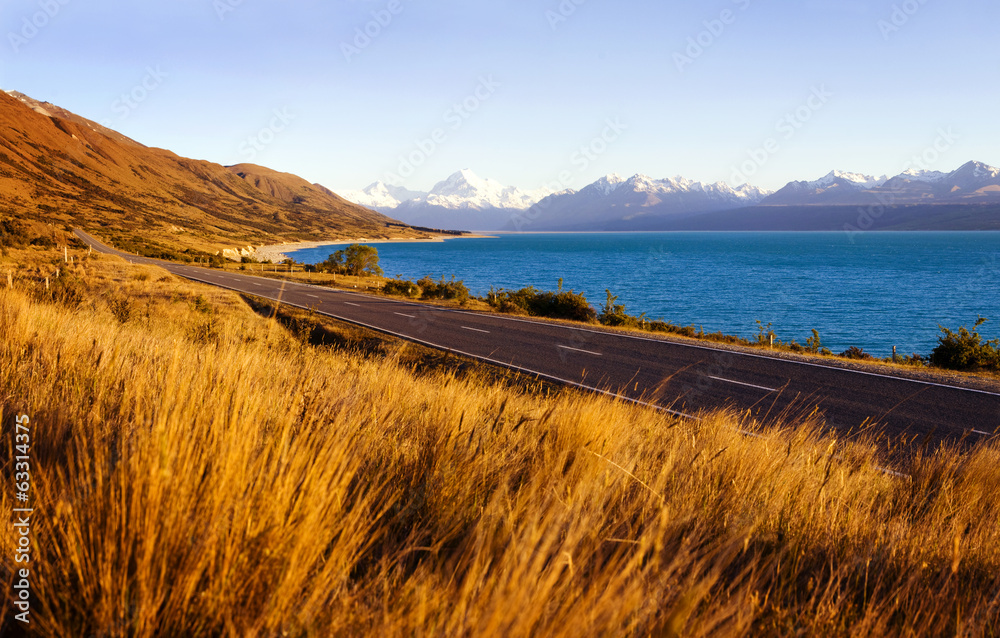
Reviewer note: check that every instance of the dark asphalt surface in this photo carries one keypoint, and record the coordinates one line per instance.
(683, 378)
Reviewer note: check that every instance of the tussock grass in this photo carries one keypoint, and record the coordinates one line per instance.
(199, 471)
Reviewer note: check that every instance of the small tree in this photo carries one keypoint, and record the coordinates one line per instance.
(356, 260)
(613, 314)
(966, 350)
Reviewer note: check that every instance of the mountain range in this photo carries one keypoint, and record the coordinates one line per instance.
(966, 198)
(59, 169)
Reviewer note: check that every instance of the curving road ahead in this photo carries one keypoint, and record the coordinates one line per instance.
(679, 377)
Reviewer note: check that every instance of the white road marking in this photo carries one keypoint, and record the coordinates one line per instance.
(982, 433)
(313, 296)
(402, 315)
(749, 385)
(485, 332)
(348, 303)
(596, 354)
(256, 284)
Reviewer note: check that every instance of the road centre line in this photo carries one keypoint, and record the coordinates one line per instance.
(476, 330)
(402, 315)
(596, 354)
(647, 339)
(749, 385)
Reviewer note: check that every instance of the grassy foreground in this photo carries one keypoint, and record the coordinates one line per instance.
(197, 470)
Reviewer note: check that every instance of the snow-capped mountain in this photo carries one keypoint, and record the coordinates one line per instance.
(462, 201)
(637, 203)
(466, 201)
(929, 177)
(381, 196)
(851, 179)
(973, 182)
(466, 190)
(834, 188)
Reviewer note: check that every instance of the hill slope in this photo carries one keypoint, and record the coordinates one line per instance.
(59, 168)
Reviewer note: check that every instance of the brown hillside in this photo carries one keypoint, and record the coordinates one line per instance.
(59, 168)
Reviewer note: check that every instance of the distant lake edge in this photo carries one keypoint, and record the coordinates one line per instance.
(873, 290)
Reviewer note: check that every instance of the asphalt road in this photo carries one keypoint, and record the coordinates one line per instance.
(679, 377)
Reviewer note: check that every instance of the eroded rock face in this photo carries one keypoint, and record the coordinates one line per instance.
(237, 254)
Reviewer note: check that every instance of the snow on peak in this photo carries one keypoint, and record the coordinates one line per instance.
(465, 183)
(375, 196)
(984, 171)
(864, 181)
(674, 186)
(608, 184)
(465, 189)
(929, 177)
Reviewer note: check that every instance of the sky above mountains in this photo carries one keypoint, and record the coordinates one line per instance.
(533, 93)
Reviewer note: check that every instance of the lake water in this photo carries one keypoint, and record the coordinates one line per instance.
(871, 290)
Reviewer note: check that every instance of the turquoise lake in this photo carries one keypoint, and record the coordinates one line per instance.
(871, 290)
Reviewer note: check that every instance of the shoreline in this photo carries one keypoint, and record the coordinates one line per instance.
(275, 253)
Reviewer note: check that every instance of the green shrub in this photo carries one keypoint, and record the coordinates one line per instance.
(765, 334)
(815, 346)
(402, 288)
(442, 289)
(13, 233)
(536, 303)
(613, 314)
(855, 352)
(121, 308)
(965, 350)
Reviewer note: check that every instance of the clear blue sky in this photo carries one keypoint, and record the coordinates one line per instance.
(550, 75)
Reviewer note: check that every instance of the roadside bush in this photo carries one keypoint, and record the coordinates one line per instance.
(765, 335)
(13, 233)
(442, 289)
(613, 314)
(857, 353)
(815, 345)
(965, 350)
(402, 288)
(121, 308)
(912, 360)
(536, 303)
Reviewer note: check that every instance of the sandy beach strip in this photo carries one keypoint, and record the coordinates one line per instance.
(276, 253)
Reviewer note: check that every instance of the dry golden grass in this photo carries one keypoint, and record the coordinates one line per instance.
(198, 471)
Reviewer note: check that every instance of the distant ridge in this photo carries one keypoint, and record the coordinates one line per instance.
(57, 167)
(963, 199)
